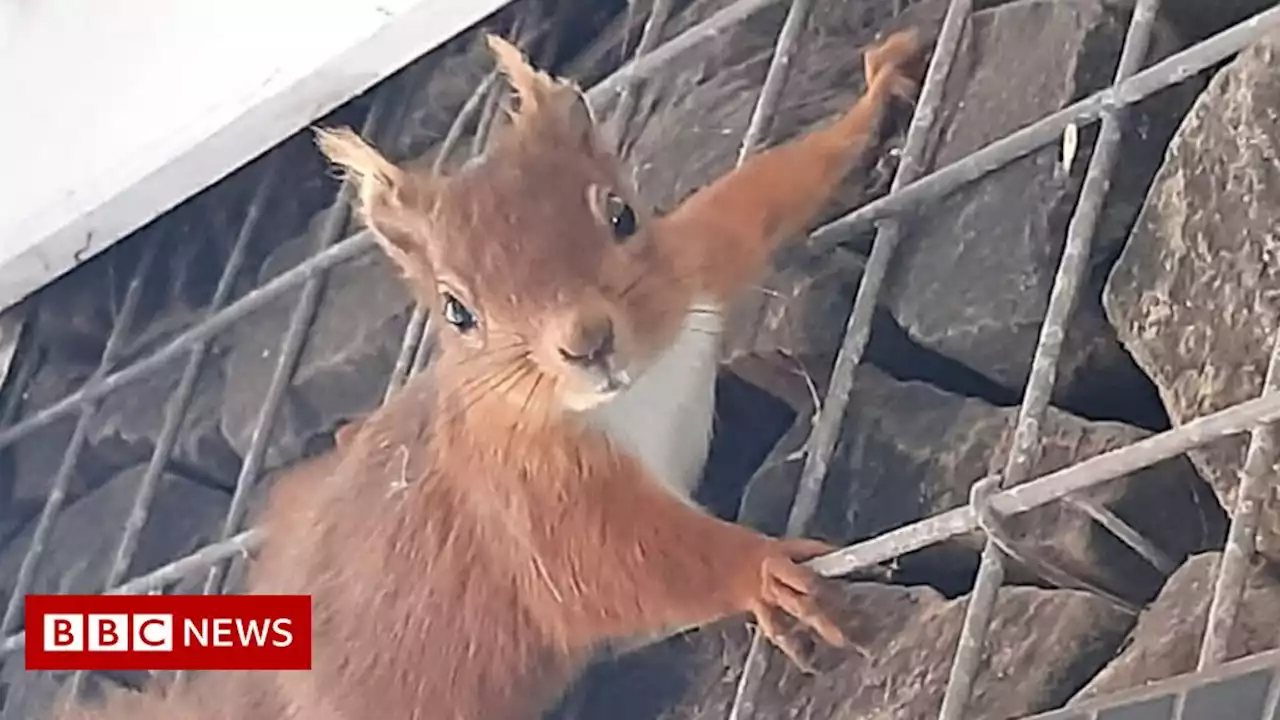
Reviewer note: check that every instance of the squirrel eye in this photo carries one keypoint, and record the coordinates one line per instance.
(457, 314)
(621, 217)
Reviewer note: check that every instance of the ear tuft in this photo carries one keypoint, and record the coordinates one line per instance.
(378, 184)
(372, 172)
(545, 102)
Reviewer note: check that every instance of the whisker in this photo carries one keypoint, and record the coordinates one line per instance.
(467, 385)
(499, 379)
(524, 407)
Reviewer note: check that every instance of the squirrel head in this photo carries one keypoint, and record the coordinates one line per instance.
(537, 259)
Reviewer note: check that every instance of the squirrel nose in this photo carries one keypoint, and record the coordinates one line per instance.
(590, 343)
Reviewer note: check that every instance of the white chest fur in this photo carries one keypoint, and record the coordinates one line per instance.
(666, 417)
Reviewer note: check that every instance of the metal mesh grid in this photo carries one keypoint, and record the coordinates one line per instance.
(992, 497)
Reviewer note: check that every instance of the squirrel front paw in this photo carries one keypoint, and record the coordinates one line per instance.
(789, 589)
(894, 64)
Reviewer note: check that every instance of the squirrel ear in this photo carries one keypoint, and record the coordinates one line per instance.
(379, 186)
(542, 98)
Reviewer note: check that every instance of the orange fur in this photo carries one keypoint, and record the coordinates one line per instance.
(472, 542)
(739, 219)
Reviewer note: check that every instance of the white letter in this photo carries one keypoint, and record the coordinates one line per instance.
(222, 633)
(63, 632)
(259, 637)
(153, 632)
(108, 633)
(281, 627)
(201, 633)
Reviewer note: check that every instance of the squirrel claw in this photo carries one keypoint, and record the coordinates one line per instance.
(770, 625)
(895, 61)
(790, 589)
(895, 53)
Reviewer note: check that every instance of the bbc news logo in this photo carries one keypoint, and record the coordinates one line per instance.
(168, 632)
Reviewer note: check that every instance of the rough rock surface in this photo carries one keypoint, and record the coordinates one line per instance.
(1166, 640)
(82, 545)
(909, 450)
(344, 365)
(137, 417)
(1034, 665)
(26, 695)
(1193, 295)
(31, 464)
(1198, 20)
(972, 276)
(184, 515)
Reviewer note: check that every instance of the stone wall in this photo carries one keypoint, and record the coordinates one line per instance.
(1175, 321)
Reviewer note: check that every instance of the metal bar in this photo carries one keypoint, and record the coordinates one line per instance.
(1272, 704)
(1028, 496)
(1170, 71)
(415, 331)
(176, 409)
(13, 325)
(166, 575)
(1023, 450)
(58, 491)
(1233, 566)
(181, 398)
(474, 103)
(775, 80)
(290, 350)
(1110, 465)
(650, 63)
(317, 265)
(413, 334)
(16, 382)
(1139, 543)
(762, 115)
(1174, 69)
(648, 38)
(822, 441)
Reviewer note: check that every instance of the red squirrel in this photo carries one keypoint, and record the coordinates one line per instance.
(519, 505)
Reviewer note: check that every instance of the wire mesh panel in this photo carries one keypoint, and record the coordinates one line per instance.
(1245, 689)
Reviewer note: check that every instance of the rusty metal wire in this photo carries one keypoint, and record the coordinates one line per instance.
(176, 409)
(649, 37)
(1170, 71)
(1053, 486)
(1028, 496)
(775, 80)
(1024, 450)
(335, 222)
(650, 63)
(190, 566)
(822, 441)
(71, 455)
(1233, 567)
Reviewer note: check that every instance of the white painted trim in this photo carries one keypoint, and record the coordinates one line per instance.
(115, 112)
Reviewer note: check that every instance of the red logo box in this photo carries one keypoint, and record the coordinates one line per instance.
(168, 632)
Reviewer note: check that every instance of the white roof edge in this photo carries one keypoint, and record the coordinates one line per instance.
(92, 214)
